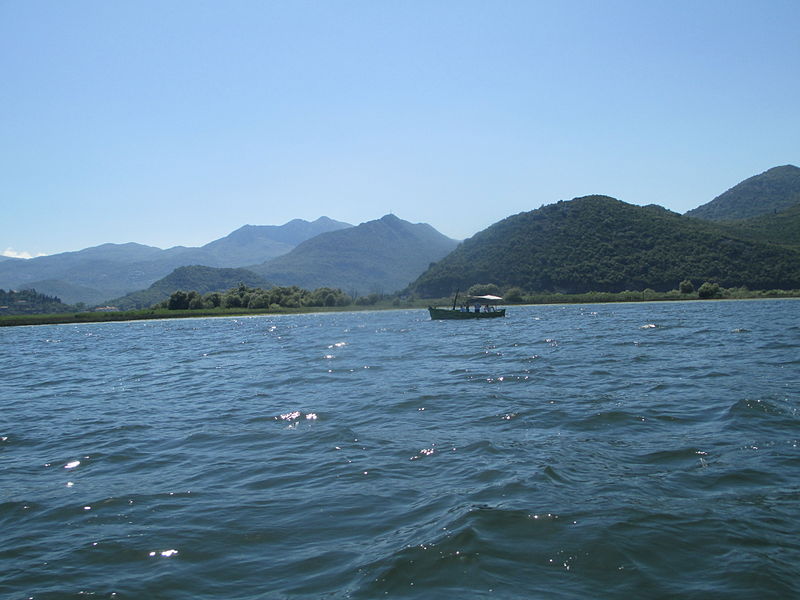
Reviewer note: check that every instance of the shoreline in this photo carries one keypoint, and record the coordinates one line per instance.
(160, 314)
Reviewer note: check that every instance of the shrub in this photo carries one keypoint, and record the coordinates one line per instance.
(513, 294)
(709, 290)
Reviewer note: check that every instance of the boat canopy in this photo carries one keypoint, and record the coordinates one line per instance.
(486, 298)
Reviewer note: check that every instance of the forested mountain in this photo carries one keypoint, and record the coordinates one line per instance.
(26, 302)
(96, 274)
(782, 228)
(377, 256)
(197, 278)
(597, 243)
(770, 192)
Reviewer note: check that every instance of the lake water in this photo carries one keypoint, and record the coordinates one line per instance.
(609, 451)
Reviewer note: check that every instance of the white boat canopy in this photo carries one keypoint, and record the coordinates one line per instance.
(486, 298)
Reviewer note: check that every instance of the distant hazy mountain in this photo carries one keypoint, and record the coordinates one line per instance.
(382, 255)
(597, 243)
(770, 192)
(82, 276)
(68, 292)
(111, 270)
(265, 241)
(198, 278)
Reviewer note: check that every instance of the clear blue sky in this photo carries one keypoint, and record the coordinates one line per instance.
(174, 123)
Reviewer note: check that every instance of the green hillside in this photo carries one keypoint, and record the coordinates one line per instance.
(781, 228)
(28, 302)
(597, 243)
(378, 256)
(199, 278)
(770, 192)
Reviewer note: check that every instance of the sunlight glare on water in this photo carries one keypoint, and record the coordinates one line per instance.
(643, 450)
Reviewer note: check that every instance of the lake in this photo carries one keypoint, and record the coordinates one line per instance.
(621, 450)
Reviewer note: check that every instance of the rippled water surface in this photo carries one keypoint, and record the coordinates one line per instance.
(608, 451)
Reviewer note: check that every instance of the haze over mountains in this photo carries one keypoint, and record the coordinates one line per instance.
(378, 256)
(96, 274)
(747, 236)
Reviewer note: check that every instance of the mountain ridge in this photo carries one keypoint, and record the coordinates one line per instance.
(770, 192)
(598, 243)
(382, 255)
(110, 270)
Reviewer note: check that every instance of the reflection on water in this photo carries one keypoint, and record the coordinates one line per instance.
(648, 450)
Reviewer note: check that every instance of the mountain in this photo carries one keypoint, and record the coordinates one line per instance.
(198, 278)
(69, 292)
(597, 243)
(782, 228)
(26, 302)
(772, 191)
(265, 241)
(377, 256)
(95, 274)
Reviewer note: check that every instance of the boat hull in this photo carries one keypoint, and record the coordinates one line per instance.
(447, 313)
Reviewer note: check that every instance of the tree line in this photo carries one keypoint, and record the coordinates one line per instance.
(274, 298)
(686, 290)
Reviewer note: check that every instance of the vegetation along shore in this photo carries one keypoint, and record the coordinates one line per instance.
(243, 301)
(745, 243)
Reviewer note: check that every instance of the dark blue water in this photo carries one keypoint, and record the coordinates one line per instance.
(610, 451)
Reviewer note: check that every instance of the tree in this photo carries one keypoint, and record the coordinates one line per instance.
(195, 301)
(259, 300)
(212, 300)
(709, 290)
(513, 294)
(178, 300)
(686, 286)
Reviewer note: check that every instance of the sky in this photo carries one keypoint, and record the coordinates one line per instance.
(175, 123)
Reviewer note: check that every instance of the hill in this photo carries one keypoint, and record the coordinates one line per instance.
(107, 271)
(597, 243)
(198, 278)
(782, 228)
(377, 256)
(770, 192)
(27, 302)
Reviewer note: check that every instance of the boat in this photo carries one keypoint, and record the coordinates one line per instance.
(449, 313)
(479, 307)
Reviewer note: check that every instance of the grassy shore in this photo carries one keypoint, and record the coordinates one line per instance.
(149, 313)
(587, 298)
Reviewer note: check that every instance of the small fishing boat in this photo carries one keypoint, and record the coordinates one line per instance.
(479, 307)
